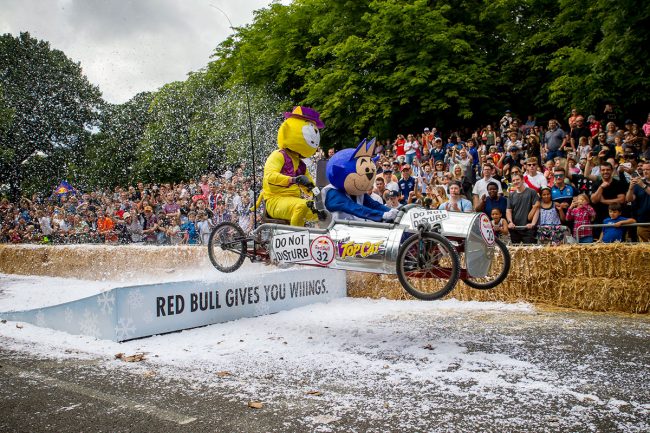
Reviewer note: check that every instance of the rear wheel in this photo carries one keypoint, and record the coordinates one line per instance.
(227, 247)
(498, 271)
(428, 266)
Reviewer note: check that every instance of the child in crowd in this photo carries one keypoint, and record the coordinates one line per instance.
(500, 225)
(616, 232)
(582, 214)
(190, 236)
(551, 217)
(204, 227)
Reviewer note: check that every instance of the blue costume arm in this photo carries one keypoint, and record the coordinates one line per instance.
(337, 201)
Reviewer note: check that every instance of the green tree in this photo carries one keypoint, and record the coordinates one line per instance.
(110, 157)
(54, 106)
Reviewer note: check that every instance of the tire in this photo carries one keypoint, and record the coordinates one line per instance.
(227, 247)
(431, 275)
(498, 270)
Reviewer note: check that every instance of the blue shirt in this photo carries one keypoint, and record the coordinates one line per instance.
(562, 195)
(405, 188)
(500, 203)
(613, 234)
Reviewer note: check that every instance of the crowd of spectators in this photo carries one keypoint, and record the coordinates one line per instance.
(165, 214)
(540, 183)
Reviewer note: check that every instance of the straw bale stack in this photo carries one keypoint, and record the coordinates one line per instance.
(97, 262)
(611, 277)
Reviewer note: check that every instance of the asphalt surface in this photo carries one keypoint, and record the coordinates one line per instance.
(602, 361)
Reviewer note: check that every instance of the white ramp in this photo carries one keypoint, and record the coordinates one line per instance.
(125, 313)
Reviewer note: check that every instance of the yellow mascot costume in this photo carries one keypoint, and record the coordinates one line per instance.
(284, 170)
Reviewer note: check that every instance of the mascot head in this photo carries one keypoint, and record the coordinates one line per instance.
(353, 170)
(299, 132)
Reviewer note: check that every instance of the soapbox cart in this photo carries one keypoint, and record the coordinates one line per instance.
(429, 250)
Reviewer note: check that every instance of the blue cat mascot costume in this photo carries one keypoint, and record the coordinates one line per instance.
(351, 173)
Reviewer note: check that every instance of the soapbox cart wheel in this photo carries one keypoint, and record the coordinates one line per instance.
(498, 271)
(428, 266)
(227, 247)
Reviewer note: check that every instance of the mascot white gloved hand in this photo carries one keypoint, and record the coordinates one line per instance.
(351, 173)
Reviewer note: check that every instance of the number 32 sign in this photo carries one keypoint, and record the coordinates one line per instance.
(322, 250)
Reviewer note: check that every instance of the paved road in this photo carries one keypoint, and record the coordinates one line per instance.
(458, 371)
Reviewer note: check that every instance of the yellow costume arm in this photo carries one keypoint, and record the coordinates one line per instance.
(272, 169)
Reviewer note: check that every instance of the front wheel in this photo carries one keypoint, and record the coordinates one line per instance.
(428, 266)
(498, 271)
(227, 247)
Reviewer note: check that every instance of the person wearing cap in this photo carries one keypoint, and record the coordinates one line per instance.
(505, 122)
(285, 172)
(427, 138)
(438, 152)
(392, 199)
(389, 178)
(132, 229)
(149, 225)
(406, 184)
(594, 125)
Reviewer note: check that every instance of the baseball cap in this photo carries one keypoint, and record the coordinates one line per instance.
(126, 215)
(426, 130)
(392, 194)
(406, 167)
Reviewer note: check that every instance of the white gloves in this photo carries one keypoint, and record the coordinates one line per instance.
(390, 215)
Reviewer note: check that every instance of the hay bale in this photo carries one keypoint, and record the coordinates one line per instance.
(607, 277)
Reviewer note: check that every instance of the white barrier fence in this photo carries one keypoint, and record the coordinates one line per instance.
(126, 313)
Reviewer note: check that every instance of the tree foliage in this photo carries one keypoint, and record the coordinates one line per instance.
(375, 67)
(52, 106)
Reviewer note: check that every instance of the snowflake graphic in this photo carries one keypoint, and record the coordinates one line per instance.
(40, 319)
(68, 316)
(124, 328)
(147, 318)
(262, 309)
(106, 301)
(135, 299)
(88, 324)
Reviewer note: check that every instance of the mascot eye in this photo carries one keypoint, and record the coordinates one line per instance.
(367, 170)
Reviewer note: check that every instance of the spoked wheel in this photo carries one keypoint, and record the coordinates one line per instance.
(227, 247)
(428, 266)
(497, 272)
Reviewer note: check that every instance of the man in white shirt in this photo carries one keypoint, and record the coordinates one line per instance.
(533, 179)
(480, 187)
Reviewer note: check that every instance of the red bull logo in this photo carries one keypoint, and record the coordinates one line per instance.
(365, 249)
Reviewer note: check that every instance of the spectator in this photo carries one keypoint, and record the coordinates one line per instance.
(500, 225)
(149, 225)
(639, 195)
(616, 220)
(551, 218)
(520, 214)
(533, 179)
(554, 140)
(480, 191)
(492, 200)
(406, 184)
(608, 190)
(457, 202)
(188, 229)
(392, 198)
(582, 215)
